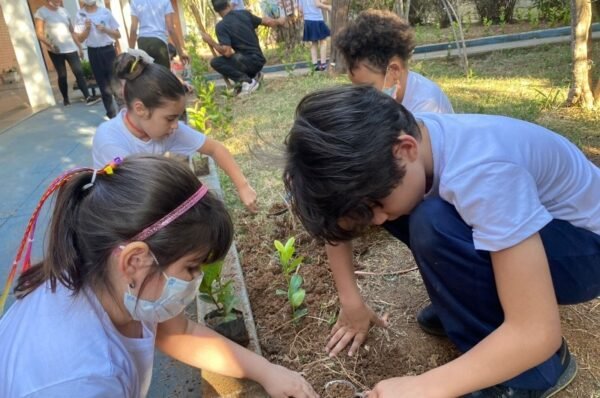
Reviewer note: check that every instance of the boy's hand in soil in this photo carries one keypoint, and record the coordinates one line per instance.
(352, 326)
(402, 387)
(280, 382)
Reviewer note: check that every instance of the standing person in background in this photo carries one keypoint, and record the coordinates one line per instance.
(54, 30)
(156, 22)
(315, 30)
(238, 4)
(97, 27)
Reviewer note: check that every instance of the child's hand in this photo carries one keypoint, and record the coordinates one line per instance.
(352, 326)
(405, 387)
(248, 197)
(280, 382)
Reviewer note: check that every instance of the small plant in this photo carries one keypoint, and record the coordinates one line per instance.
(551, 100)
(290, 266)
(86, 67)
(214, 291)
(487, 24)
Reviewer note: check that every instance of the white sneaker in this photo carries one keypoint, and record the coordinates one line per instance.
(247, 88)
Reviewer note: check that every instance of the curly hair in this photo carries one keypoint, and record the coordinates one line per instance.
(375, 36)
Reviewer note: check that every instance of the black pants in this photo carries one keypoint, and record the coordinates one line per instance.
(58, 60)
(238, 67)
(101, 60)
(157, 49)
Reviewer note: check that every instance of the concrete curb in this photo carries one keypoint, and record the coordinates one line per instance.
(214, 385)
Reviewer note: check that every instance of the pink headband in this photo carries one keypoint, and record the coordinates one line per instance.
(172, 216)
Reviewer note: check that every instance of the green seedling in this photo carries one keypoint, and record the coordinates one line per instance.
(214, 290)
(290, 266)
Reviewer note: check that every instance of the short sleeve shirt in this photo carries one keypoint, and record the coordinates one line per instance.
(151, 16)
(57, 25)
(423, 95)
(508, 178)
(237, 30)
(113, 139)
(102, 16)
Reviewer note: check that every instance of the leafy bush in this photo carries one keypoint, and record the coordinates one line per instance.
(554, 11)
(87, 69)
(496, 10)
(214, 290)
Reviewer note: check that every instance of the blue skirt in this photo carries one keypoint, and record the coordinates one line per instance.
(315, 31)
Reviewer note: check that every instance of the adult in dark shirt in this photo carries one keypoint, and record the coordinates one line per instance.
(241, 58)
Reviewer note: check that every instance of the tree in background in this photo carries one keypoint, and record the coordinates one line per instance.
(580, 92)
(339, 18)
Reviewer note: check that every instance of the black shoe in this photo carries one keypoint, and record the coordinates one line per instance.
(317, 67)
(569, 370)
(66, 102)
(430, 322)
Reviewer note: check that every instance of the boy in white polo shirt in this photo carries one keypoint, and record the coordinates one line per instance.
(502, 217)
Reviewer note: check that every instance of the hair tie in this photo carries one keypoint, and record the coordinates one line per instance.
(109, 169)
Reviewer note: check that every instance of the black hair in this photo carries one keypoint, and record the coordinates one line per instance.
(375, 36)
(89, 224)
(340, 161)
(150, 83)
(220, 5)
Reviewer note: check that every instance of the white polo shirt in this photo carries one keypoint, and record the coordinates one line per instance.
(56, 28)
(102, 16)
(151, 16)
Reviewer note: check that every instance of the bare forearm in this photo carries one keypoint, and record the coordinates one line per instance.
(132, 38)
(504, 354)
(203, 348)
(227, 163)
(341, 265)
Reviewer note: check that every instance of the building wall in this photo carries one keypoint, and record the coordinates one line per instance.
(8, 59)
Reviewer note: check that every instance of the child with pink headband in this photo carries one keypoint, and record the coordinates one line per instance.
(124, 258)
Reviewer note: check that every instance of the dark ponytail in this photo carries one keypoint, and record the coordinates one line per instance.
(150, 83)
(88, 225)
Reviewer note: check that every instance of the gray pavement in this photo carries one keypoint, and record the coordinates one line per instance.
(33, 153)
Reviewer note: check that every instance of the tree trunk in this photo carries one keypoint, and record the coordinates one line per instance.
(339, 19)
(580, 92)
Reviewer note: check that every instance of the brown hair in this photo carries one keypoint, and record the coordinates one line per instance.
(375, 36)
(148, 82)
(87, 225)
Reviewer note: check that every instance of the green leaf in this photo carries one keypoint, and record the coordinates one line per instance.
(279, 246)
(230, 317)
(206, 298)
(300, 312)
(212, 272)
(280, 292)
(297, 261)
(290, 243)
(295, 282)
(297, 298)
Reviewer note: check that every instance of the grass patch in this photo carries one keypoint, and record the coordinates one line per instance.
(529, 84)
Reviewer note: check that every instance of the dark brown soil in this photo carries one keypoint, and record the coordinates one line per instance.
(402, 348)
(339, 389)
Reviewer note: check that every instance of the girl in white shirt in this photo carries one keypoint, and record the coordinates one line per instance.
(155, 99)
(127, 243)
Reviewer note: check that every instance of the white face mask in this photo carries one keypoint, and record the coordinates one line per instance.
(89, 2)
(176, 295)
(391, 91)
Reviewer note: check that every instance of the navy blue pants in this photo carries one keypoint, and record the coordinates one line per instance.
(460, 280)
(238, 67)
(101, 61)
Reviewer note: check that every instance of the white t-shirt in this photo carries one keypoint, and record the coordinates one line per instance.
(508, 178)
(151, 16)
(310, 11)
(60, 345)
(238, 4)
(56, 28)
(113, 139)
(423, 95)
(102, 16)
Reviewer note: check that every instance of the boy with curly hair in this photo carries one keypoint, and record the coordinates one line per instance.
(376, 47)
(501, 215)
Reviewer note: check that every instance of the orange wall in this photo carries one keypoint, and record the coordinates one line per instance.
(8, 58)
